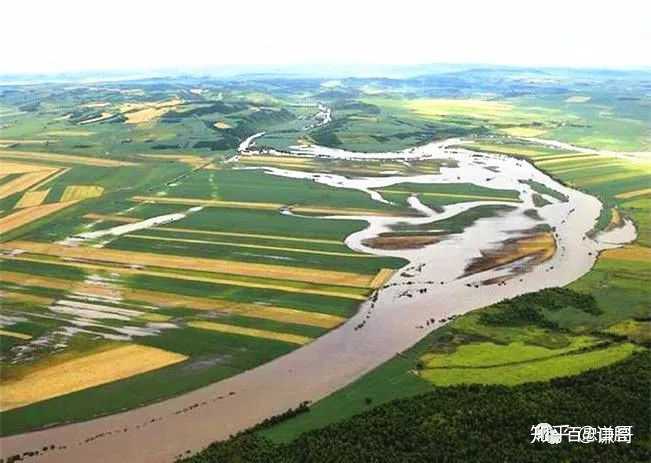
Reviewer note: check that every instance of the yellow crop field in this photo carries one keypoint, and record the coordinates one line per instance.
(587, 166)
(252, 246)
(564, 155)
(30, 214)
(446, 107)
(79, 192)
(70, 133)
(155, 317)
(634, 194)
(57, 379)
(382, 277)
(222, 125)
(112, 217)
(355, 293)
(125, 219)
(22, 297)
(611, 178)
(207, 202)
(524, 131)
(524, 150)
(278, 272)
(24, 181)
(22, 168)
(267, 312)
(25, 142)
(14, 334)
(565, 159)
(191, 160)
(631, 253)
(49, 179)
(259, 206)
(138, 113)
(32, 198)
(232, 329)
(456, 195)
(64, 158)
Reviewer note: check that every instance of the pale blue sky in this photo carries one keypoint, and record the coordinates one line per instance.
(67, 35)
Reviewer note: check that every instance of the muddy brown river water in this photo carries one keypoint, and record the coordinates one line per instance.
(396, 321)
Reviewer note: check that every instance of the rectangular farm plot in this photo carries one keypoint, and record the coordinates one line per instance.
(171, 300)
(63, 158)
(30, 214)
(16, 335)
(78, 192)
(257, 333)
(629, 253)
(197, 264)
(32, 198)
(24, 181)
(80, 373)
(634, 193)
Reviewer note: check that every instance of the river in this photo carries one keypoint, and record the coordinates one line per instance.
(394, 322)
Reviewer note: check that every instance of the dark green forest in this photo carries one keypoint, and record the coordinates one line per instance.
(474, 424)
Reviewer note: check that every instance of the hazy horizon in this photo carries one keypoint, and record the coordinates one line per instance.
(191, 36)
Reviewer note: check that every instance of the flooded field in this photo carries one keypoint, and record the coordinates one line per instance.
(438, 284)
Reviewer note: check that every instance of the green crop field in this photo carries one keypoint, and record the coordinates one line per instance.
(129, 217)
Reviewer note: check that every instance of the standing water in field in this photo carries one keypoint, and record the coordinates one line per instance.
(422, 296)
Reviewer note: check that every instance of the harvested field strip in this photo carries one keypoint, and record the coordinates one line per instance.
(530, 151)
(252, 246)
(382, 277)
(340, 292)
(562, 160)
(285, 159)
(20, 168)
(27, 142)
(49, 179)
(611, 177)
(232, 329)
(30, 214)
(14, 334)
(70, 133)
(65, 158)
(113, 218)
(629, 253)
(307, 275)
(634, 194)
(83, 372)
(24, 181)
(548, 157)
(272, 163)
(194, 161)
(207, 202)
(22, 297)
(32, 198)
(120, 218)
(250, 235)
(587, 167)
(79, 192)
(455, 195)
(162, 299)
(259, 206)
